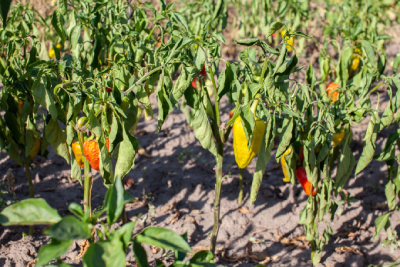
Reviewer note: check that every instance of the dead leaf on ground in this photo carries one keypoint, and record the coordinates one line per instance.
(347, 234)
(244, 210)
(140, 132)
(49, 189)
(261, 258)
(297, 242)
(176, 218)
(155, 249)
(143, 152)
(380, 206)
(200, 248)
(347, 249)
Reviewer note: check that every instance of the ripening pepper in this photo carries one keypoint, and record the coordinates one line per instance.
(35, 149)
(286, 179)
(91, 152)
(76, 148)
(243, 155)
(20, 107)
(337, 138)
(307, 186)
(289, 40)
(355, 60)
(203, 72)
(332, 93)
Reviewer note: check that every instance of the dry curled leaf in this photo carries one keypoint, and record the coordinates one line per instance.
(347, 249)
(244, 210)
(31, 263)
(176, 218)
(155, 249)
(200, 248)
(84, 246)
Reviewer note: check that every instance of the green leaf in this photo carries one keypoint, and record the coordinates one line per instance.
(180, 19)
(274, 27)
(57, 21)
(346, 163)
(52, 251)
(202, 130)
(182, 84)
(69, 228)
(140, 254)
(163, 238)
(248, 42)
(29, 212)
(13, 152)
(55, 136)
(125, 233)
(287, 129)
(204, 257)
(390, 192)
(75, 36)
(164, 104)
(105, 254)
(4, 7)
(76, 210)
(115, 199)
(380, 222)
(369, 51)
(126, 154)
(43, 96)
(369, 145)
(182, 43)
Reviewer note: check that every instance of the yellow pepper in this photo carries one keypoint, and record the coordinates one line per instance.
(59, 46)
(52, 53)
(286, 179)
(337, 138)
(76, 148)
(355, 61)
(289, 40)
(243, 155)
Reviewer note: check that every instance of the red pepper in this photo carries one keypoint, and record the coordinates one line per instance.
(108, 89)
(274, 34)
(203, 72)
(307, 186)
(230, 115)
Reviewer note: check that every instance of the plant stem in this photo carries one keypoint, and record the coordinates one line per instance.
(217, 199)
(124, 216)
(240, 197)
(87, 186)
(142, 79)
(31, 189)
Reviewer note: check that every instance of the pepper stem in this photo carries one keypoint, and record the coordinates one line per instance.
(31, 189)
(217, 198)
(240, 197)
(87, 186)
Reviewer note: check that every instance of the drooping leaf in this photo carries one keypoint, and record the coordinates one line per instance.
(51, 251)
(202, 130)
(69, 228)
(29, 212)
(163, 238)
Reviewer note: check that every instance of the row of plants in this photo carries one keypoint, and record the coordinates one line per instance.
(108, 57)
